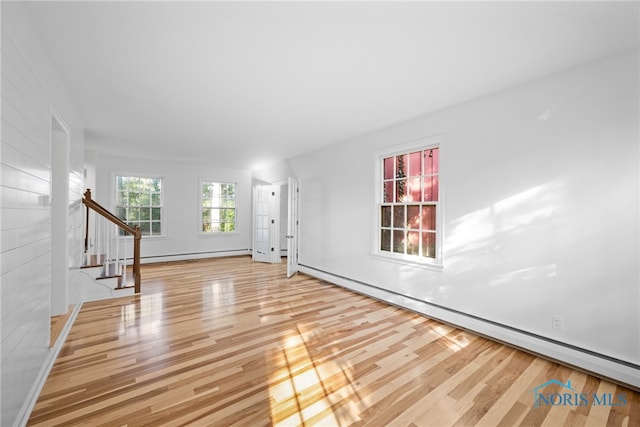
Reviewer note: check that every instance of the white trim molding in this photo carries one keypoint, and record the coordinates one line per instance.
(600, 365)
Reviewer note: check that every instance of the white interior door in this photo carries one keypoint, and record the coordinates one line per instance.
(266, 223)
(292, 228)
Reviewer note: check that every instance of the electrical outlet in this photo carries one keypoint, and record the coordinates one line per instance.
(557, 322)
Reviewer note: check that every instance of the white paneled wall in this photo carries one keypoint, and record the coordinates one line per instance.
(30, 92)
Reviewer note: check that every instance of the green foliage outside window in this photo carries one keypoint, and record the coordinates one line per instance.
(139, 203)
(218, 207)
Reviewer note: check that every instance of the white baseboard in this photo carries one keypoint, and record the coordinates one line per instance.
(189, 256)
(32, 397)
(621, 372)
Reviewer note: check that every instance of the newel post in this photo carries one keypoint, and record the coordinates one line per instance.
(136, 258)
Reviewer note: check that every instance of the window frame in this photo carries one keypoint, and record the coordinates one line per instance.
(201, 206)
(114, 181)
(421, 144)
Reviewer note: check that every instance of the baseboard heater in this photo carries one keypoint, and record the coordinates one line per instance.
(601, 365)
(193, 255)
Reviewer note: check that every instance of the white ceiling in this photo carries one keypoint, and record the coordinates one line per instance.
(242, 84)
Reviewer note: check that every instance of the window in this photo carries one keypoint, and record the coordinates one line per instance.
(218, 207)
(409, 211)
(139, 203)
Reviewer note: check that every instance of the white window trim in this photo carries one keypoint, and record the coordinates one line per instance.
(114, 197)
(199, 210)
(436, 264)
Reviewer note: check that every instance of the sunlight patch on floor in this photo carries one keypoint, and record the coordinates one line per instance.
(305, 396)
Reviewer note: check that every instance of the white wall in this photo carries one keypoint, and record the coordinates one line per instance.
(30, 91)
(541, 209)
(181, 206)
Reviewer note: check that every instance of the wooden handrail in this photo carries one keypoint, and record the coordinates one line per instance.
(134, 231)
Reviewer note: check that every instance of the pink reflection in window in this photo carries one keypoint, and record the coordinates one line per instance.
(398, 216)
(401, 190)
(388, 192)
(428, 217)
(430, 188)
(415, 164)
(401, 166)
(388, 168)
(413, 216)
(431, 161)
(414, 190)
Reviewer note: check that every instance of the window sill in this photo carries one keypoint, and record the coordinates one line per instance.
(402, 260)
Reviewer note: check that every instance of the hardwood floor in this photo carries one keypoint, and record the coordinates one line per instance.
(230, 342)
(57, 324)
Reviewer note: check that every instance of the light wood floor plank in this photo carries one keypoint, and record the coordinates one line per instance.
(230, 342)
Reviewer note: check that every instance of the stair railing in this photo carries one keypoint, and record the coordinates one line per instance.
(102, 249)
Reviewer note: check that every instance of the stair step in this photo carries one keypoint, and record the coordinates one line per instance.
(94, 259)
(114, 282)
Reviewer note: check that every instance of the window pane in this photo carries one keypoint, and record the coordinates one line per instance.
(413, 243)
(133, 199)
(428, 217)
(429, 244)
(398, 216)
(401, 190)
(414, 190)
(133, 214)
(145, 199)
(388, 168)
(431, 161)
(227, 215)
(431, 188)
(144, 226)
(145, 213)
(155, 228)
(155, 199)
(206, 215)
(206, 191)
(386, 216)
(388, 192)
(121, 213)
(385, 240)
(401, 166)
(120, 198)
(413, 217)
(155, 214)
(398, 241)
(415, 163)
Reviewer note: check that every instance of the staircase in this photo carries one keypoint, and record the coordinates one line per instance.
(112, 254)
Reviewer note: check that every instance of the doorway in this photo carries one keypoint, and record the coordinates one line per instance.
(266, 223)
(59, 190)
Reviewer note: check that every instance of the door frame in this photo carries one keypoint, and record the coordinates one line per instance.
(292, 226)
